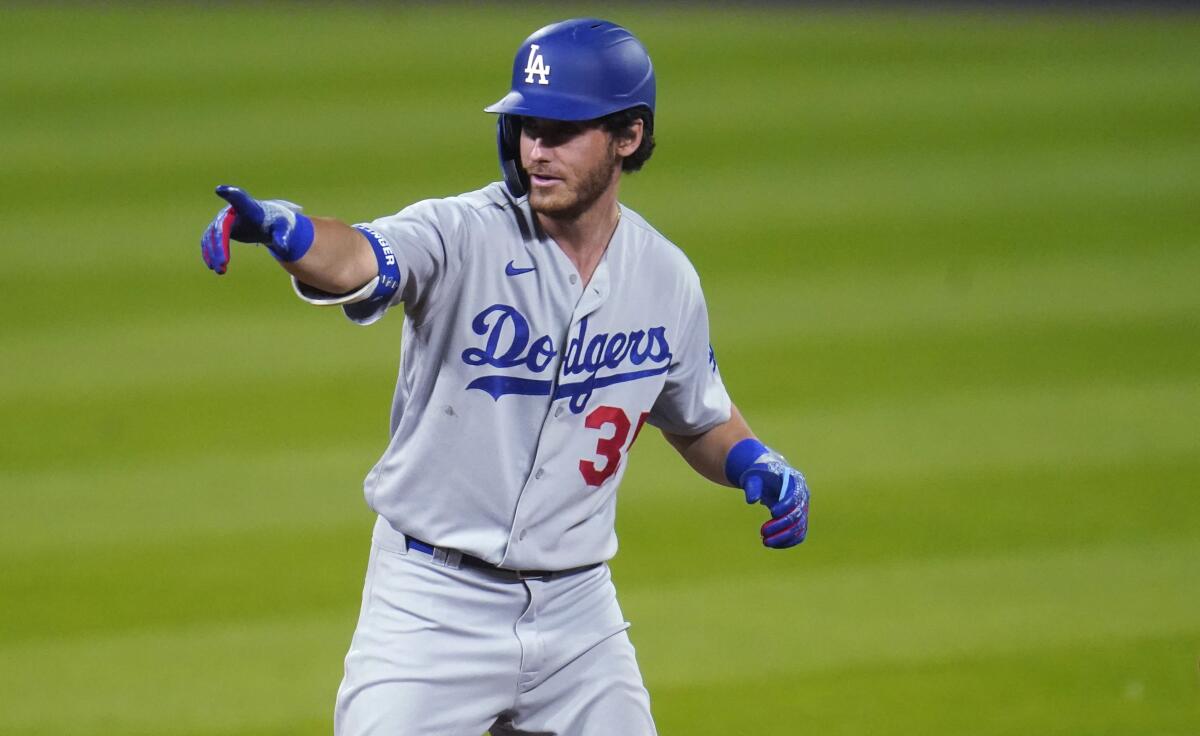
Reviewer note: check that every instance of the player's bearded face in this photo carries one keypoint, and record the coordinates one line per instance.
(570, 165)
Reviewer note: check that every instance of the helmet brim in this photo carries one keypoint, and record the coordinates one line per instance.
(556, 107)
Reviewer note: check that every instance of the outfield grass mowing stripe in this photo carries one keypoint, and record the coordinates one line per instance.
(986, 293)
(845, 177)
(901, 519)
(927, 611)
(261, 564)
(947, 187)
(890, 614)
(982, 430)
(1127, 226)
(1060, 292)
(122, 504)
(857, 371)
(867, 366)
(158, 155)
(1076, 113)
(1112, 688)
(218, 501)
(196, 350)
(212, 678)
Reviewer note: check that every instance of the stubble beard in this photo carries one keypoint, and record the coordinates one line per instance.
(568, 202)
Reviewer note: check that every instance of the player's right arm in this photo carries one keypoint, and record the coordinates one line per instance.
(321, 252)
(340, 259)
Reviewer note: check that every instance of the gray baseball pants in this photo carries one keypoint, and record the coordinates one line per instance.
(444, 650)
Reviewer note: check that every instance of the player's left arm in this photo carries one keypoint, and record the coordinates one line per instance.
(731, 455)
(706, 452)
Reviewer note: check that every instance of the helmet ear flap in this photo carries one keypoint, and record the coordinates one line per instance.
(508, 141)
(510, 132)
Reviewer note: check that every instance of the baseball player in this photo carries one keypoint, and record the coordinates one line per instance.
(545, 323)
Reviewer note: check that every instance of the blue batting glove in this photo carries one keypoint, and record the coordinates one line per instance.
(275, 223)
(766, 478)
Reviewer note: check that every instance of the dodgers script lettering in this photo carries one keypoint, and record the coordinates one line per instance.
(509, 343)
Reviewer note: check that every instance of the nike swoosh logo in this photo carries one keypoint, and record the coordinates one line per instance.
(511, 270)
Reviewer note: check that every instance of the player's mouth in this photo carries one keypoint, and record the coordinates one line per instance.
(543, 180)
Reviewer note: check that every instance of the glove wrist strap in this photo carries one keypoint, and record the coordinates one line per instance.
(299, 240)
(742, 456)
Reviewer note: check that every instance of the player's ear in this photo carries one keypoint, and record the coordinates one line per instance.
(628, 140)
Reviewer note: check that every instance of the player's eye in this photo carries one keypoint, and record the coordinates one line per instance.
(551, 132)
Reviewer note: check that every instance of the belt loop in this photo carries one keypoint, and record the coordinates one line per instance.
(447, 557)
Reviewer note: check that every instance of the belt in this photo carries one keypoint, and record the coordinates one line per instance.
(466, 560)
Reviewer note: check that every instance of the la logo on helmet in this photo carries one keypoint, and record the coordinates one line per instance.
(536, 65)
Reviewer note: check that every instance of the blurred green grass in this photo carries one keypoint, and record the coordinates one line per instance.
(952, 264)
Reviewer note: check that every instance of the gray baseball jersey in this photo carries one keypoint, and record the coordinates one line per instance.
(520, 389)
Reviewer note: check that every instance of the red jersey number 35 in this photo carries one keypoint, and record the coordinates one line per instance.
(610, 447)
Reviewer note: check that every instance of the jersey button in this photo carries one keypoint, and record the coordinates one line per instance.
(521, 536)
(558, 411)
(573, 278)
(538, 475)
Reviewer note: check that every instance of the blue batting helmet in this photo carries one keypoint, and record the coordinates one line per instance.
(579, 69)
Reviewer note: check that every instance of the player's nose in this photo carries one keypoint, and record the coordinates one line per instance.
(538, 150)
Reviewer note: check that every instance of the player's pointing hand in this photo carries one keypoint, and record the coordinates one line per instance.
(275, 223)
(766, 478)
